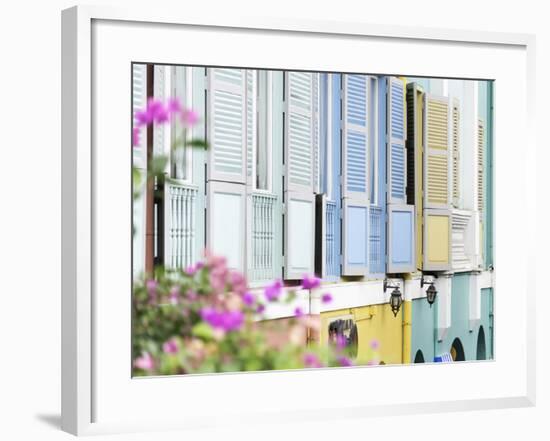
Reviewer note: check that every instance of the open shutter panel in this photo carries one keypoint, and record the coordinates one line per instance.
(299, 199)
(396, 142)
(456, 153)
(436, 182)
(437, 240)
(139, 158)
(401, 218)
(355, 175)
(227, 125)
(227, 165)
(415, 158)
(480, 160)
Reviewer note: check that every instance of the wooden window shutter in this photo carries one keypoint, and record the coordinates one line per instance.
(355, 175)
(299, 225)
(227, 165)
(456, 153)
(415, 164)
(437, 152)
(397, 135)
(480, 162)
(401, 218)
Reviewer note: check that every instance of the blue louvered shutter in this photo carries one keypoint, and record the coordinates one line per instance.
(355, 175)
(299, 198)
(401, 218)
(396, 142)
(227, 165)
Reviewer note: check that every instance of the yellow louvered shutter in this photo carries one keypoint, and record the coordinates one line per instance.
(436, 183)
(456, 153)
(480, 154)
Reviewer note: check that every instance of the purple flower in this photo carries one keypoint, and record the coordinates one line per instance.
(135, 136)
(341, 341)
(311, 360)
(192, 295)
(145, 362)
(298, 312)
(344, 361)
(170, 346)
(374, 344)
(249, 299)
(238, 282)
(224, 320)
(173, 105)
(189, 118)
(310, 282)
(273, 291)
(260, 309)
(326, 297)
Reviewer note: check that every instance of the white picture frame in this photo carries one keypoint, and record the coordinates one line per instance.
(98, 393)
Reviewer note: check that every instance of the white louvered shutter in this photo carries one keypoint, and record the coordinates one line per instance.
(227, 165)
(299, 180)
(355, 175)
(396, 142)
(480, 160)
(251, 123)
(437, 153)
(139, 158)
(227, 125)
(162, 133)
(456, 153)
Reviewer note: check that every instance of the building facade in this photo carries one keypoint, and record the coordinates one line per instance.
(374, 183)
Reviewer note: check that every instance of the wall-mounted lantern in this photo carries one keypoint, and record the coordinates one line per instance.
(431, 292)
(395, 298)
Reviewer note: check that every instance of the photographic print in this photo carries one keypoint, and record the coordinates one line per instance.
(294, 219)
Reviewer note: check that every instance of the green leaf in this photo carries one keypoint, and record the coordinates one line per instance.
(203, 330)
(197, 143)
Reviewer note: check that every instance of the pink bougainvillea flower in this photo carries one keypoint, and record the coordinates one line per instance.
(173, 105)
(192, 295)
(135, 136)
(223, 320)
(273, 291)
(298, 312)
(374, 344)
(326, 297)
(311, 360)
(260, 309)
(170, 346)
(189, 117)
(174, 295)
(249, 299)
(344, 361)
(310, 282)
(238, 282)
(152, 286)
(145, 362)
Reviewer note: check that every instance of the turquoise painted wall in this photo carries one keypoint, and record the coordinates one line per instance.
(424, 322)
(460, 322)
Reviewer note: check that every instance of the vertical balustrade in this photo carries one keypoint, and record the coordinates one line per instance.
(263, 235)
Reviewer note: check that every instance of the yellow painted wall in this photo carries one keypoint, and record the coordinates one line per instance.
(373, 323)
(438, 230)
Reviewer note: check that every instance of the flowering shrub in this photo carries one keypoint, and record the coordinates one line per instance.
(204, 319)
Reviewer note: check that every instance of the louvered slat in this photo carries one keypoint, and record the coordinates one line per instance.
(411, 136)
(250, 119)
(480, 160)
(437, 154)
(456, 154)
(396, 148)
(227, 125)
